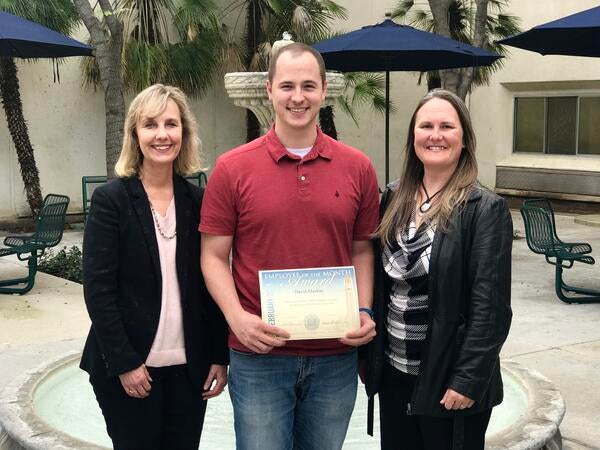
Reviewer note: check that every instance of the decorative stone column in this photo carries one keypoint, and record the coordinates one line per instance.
(249, 90)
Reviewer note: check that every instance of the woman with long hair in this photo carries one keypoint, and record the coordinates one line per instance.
(442, 294)
(157, 348)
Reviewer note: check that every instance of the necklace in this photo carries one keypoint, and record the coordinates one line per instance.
(160, 231)
(427, 203)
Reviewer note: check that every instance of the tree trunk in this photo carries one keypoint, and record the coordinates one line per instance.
(433, 80)
(109, 46)
(252, 126)
(327, 122)
(114, 102)
(253, 37)
(479, 34)
(11, 101)
(458, 80)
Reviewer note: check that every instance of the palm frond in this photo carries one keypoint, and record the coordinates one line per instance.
(191, 15)
(144, 64)
(369, 89)
(345, 104)
(59, 15)
(90, 71)
(497, 6)
(505, 26)
(420, 19)
(146, 20)
(197, 64)
(232, 52)
(318, 37)
(302, 21)
(336, 10)
(402, 7)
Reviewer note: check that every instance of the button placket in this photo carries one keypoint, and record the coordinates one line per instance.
(302, 175)
(303, 179)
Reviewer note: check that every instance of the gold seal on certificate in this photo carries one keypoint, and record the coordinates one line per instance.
(318, 303)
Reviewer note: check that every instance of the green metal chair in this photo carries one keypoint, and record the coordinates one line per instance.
(544, 203)
(88, 184)
(29, 247)
(542, 238)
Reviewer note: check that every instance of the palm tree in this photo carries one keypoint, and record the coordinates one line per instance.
(461, 17)
(309, 22)
(59, 15)
(178, 42)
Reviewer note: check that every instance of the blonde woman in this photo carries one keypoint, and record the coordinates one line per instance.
(157, 346)
(442, 295)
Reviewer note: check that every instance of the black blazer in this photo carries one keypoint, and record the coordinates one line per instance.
(122, 282)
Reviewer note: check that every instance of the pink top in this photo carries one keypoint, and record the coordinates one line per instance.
(168, 348)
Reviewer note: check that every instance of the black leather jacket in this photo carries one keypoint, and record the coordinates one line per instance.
(469, 308)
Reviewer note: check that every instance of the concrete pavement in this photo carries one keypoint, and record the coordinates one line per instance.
(561, 341)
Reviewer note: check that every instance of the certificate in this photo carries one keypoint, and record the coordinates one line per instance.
(314, 303)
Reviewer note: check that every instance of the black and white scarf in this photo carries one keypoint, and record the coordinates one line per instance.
(406, 262)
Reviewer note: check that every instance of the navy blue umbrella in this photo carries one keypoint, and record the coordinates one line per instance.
(389, 46)
(21, 38)
(575, 35)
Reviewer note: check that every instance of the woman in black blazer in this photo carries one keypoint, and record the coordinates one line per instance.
(157, 348)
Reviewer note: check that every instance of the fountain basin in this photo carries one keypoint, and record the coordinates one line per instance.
(53, 407)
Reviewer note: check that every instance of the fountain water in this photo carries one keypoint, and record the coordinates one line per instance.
(53, 407)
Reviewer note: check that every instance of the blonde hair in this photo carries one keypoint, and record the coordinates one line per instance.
(151, 102)
(457, 190)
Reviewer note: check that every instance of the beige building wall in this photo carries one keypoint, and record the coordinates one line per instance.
(67, 123)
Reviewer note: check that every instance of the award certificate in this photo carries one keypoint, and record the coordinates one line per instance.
(315, 303)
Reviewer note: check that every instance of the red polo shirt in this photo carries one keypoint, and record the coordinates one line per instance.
(287, 213)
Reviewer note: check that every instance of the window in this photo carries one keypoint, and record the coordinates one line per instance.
(529, 125)
(589, 129)
(557, 125)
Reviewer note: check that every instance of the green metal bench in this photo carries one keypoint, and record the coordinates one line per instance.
(542, 238)
(29, 247)
(89, 183)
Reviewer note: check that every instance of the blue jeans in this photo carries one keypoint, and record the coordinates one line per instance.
(292, 402)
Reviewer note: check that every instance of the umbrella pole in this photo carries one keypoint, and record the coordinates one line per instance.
(387, 127)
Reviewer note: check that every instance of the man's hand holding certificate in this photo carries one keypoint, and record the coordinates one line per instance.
(315, 303)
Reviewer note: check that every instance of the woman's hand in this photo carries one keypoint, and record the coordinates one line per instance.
(136, 382)
(454, 400)
(215, 381)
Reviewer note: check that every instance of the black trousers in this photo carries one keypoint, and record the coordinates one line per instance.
(170, 418)
(402, 431)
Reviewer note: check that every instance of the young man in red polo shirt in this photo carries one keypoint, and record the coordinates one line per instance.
(291, 199)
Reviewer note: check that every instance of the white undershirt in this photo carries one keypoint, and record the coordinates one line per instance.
(301, 152)
(168, 348)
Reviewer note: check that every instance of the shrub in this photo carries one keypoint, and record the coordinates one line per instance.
(65, 264)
